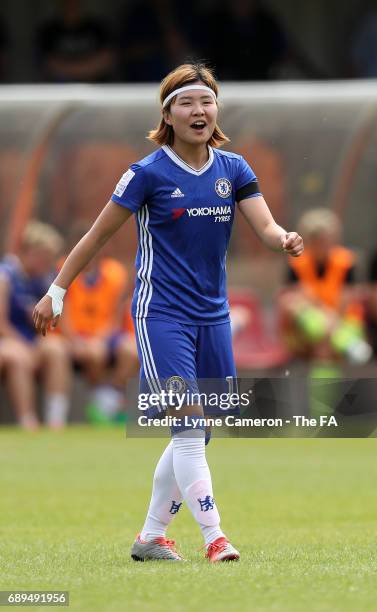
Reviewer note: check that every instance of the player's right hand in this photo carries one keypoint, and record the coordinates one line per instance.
(43, 315)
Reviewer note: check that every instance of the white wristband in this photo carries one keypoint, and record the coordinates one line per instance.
(57, 294)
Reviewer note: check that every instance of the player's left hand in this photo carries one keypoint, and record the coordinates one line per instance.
(43, 315)
(292, 243)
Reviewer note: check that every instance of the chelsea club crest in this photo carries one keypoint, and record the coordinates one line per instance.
(176, 384)
(223, 187)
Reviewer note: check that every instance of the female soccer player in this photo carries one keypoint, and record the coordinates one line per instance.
(184, 196)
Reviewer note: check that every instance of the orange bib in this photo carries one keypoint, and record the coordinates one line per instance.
(92, 309)
(327, 288)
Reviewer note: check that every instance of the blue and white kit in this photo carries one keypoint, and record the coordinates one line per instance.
(184, 221)
(23, 292)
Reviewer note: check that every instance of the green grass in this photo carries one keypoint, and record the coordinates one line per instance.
(301, 511)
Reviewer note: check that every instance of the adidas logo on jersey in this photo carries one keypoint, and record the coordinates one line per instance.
(177, 193)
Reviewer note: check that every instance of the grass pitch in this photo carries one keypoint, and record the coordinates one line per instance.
(303, 513)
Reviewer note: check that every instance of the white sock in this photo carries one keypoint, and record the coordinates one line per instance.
(56, 409)
(108, 399)
(166, 498)
(210, 534)
(194, 480)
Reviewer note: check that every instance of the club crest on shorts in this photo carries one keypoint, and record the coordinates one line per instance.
(223, 187)
(176, 384)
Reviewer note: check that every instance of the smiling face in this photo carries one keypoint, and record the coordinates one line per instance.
(193, 116)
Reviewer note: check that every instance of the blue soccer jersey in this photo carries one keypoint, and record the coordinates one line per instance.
(184, 220)
(23, 293)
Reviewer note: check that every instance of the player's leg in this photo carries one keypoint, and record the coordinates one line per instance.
(165, 502)
(194, 479)
(191, 469)
(126, 361)
(19, 372)
(160, 344)
(91, 354)
(216, 369)
(55, 366)
(122, 365)
(169, 354)
(166, 498)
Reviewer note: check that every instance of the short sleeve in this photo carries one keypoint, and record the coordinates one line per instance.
(131, 190)
(246, 183)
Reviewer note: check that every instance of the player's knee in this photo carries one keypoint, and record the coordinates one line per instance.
(159, 478)
(53, 348)
(96, 353)
(17, 357)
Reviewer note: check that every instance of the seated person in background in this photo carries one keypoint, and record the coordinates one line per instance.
(150, 39)
(322, 312)
(23, 354)
(253, 42)
(74, 48)
(92, 323)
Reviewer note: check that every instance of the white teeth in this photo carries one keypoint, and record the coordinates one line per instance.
(199, 123)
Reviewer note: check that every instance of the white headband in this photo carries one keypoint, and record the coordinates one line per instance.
(188, 88)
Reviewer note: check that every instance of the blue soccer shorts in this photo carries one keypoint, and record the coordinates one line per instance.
(186, 358)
